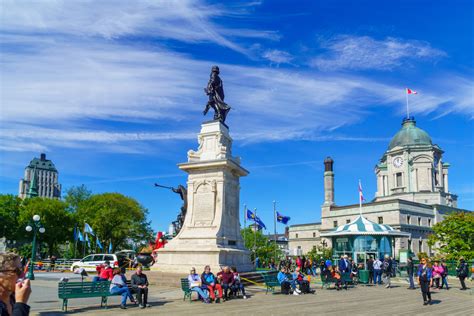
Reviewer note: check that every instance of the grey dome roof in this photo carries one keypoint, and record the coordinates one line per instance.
(410, 135)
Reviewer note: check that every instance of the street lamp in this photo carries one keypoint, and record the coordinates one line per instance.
(34, 226)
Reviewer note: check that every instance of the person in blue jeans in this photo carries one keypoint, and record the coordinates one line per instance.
(283, 277)
(377, 271)
(195, 284)
(118, 286)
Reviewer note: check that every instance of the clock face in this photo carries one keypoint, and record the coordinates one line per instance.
(398, 162)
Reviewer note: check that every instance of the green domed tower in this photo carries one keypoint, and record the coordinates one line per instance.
(412, 168)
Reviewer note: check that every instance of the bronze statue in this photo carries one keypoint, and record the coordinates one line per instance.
(215, 91)
(183, 193)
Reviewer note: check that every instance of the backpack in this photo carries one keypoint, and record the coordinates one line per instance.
(304, 287)
(285, 288)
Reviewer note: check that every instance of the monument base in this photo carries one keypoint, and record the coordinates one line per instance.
(182, 260)
(211, 230)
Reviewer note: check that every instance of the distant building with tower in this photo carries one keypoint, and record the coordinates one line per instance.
(412, 195)
(40, 179)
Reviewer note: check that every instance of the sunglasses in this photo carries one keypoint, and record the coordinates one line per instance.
(18, 271)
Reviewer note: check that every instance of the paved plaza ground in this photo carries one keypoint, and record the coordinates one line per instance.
(362, 300)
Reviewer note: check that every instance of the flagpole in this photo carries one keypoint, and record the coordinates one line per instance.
(245, 223)
(275, 230)
(360, 199)
(408, 109)
(84, 235)
(255, 232)
(75, 241)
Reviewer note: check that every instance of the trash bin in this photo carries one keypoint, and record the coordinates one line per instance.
(364, 276)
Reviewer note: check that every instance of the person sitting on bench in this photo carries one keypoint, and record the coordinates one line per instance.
(301, 281)
(286, 282)
(195, 285)
(140, 285)
(118, 286)
(238, 285)
(208, 279)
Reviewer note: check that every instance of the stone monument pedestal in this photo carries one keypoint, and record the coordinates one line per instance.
(211, 230)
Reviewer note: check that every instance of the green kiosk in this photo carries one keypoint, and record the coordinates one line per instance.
(362, 239)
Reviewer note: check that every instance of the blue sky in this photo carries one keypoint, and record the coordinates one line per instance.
(112, 91)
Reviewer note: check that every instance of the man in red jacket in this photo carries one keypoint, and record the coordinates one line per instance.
(227, 280)
(106, 273)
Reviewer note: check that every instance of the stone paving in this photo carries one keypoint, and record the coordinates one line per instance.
(362, 300)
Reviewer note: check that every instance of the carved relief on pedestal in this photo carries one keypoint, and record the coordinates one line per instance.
(204, 203)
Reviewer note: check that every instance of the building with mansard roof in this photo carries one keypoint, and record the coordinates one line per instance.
(40, 179)
(412, 195)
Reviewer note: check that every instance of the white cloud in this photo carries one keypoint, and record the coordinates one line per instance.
(190, 21)
(364, 52)
(277, 56)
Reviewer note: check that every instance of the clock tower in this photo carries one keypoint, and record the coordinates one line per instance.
(412, 169)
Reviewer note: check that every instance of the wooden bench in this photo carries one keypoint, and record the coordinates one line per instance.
(271, 281)
(68, 290)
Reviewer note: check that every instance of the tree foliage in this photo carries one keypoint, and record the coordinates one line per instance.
(77, 196)
(116, 218)
(265, 248)
(454, 236)
(55, 218)
(9, 211)
(318, 253)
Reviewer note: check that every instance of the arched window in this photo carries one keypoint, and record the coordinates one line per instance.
(385, 247)
(365, 244)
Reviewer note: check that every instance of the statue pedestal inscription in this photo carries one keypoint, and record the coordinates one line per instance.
(211, 231)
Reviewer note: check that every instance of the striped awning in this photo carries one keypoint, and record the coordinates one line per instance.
(362, 226)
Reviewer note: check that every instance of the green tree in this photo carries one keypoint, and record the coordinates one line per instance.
(9, 211)
(265, 248)
(454, 236)
(319, 253)
(77, 197)
(116, 218)
(55, 218)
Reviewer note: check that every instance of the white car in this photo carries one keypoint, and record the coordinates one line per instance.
(90, 262)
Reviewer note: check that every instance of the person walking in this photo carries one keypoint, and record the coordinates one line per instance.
(377, 271)
(462, 272)
(387, 271)
(370, 267)
(437, 272)
(444, 275)
(424, 278)
(140, 285)
(410, 271)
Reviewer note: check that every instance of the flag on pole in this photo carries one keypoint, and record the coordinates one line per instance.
(250, 215)
(410, 91)
(259, 222)
(282, 219)
(97, 242)
(110, 247)
(361, 194)
(88, 229)
(79, 236)
(88, 241)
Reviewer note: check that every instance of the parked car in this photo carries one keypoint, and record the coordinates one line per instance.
(90, 262)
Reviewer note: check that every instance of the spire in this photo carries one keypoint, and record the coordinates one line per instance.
(33, 191)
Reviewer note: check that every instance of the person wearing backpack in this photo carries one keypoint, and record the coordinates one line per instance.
(424, 279)
(462, 273)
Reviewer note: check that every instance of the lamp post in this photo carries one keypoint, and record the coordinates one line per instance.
(36, 227)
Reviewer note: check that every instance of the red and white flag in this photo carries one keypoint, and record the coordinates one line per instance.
(410, 91)
(361, 195)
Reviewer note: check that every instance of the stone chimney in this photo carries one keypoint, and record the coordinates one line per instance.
(328, 182)
(43, 157)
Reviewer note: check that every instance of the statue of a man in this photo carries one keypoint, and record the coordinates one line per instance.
(183, 193)
(215, 91)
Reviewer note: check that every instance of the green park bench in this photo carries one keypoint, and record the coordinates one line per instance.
(346, 279)
(327, 281)
(68, 290)
(186, 290)
(271, 281)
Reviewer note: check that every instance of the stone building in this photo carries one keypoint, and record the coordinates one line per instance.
(40, 179)
(412, 195)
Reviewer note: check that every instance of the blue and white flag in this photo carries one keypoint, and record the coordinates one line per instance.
(79, 236)
(250, 215)
(282, 219)
(97, 242)
(88, 229)
(76, 236)
(110, 247)
(259, 222)
(88, 241)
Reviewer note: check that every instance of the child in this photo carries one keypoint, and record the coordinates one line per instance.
(336, 274)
